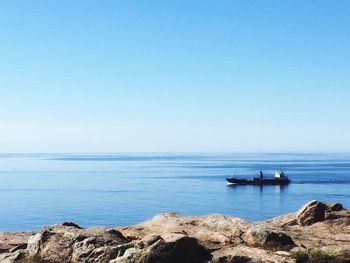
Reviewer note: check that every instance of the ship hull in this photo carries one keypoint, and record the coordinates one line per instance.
(258, 181)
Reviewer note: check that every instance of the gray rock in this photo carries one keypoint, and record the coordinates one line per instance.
(33, 245)
(69, 243)
(260, 237)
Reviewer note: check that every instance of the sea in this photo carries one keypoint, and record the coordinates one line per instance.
(128, 188)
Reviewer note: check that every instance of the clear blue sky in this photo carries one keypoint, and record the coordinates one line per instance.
(237, 76)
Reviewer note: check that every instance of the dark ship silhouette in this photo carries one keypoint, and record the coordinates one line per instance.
(279, 179)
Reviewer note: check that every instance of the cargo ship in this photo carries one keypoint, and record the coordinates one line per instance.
(278, 179)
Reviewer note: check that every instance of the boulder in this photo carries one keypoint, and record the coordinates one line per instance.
(212, 231)
(259, 236)
(321, 232)
(33, 244)
(171, 248)
(316, 211)
(312, 212)
(64, 243)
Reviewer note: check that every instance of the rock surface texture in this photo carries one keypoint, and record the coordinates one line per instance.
(318, 232)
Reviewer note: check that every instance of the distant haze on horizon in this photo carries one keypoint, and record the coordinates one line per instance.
(179, 76)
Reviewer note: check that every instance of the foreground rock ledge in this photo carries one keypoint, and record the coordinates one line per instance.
(318, 232)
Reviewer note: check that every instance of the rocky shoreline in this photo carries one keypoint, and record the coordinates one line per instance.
(318, 232)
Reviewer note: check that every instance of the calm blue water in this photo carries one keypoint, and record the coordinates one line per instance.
(124, 189)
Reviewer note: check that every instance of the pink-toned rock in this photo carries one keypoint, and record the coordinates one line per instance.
(318, 232)
(212, 231)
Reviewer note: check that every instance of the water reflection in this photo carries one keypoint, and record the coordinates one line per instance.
(277, 188)
(280, 188)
